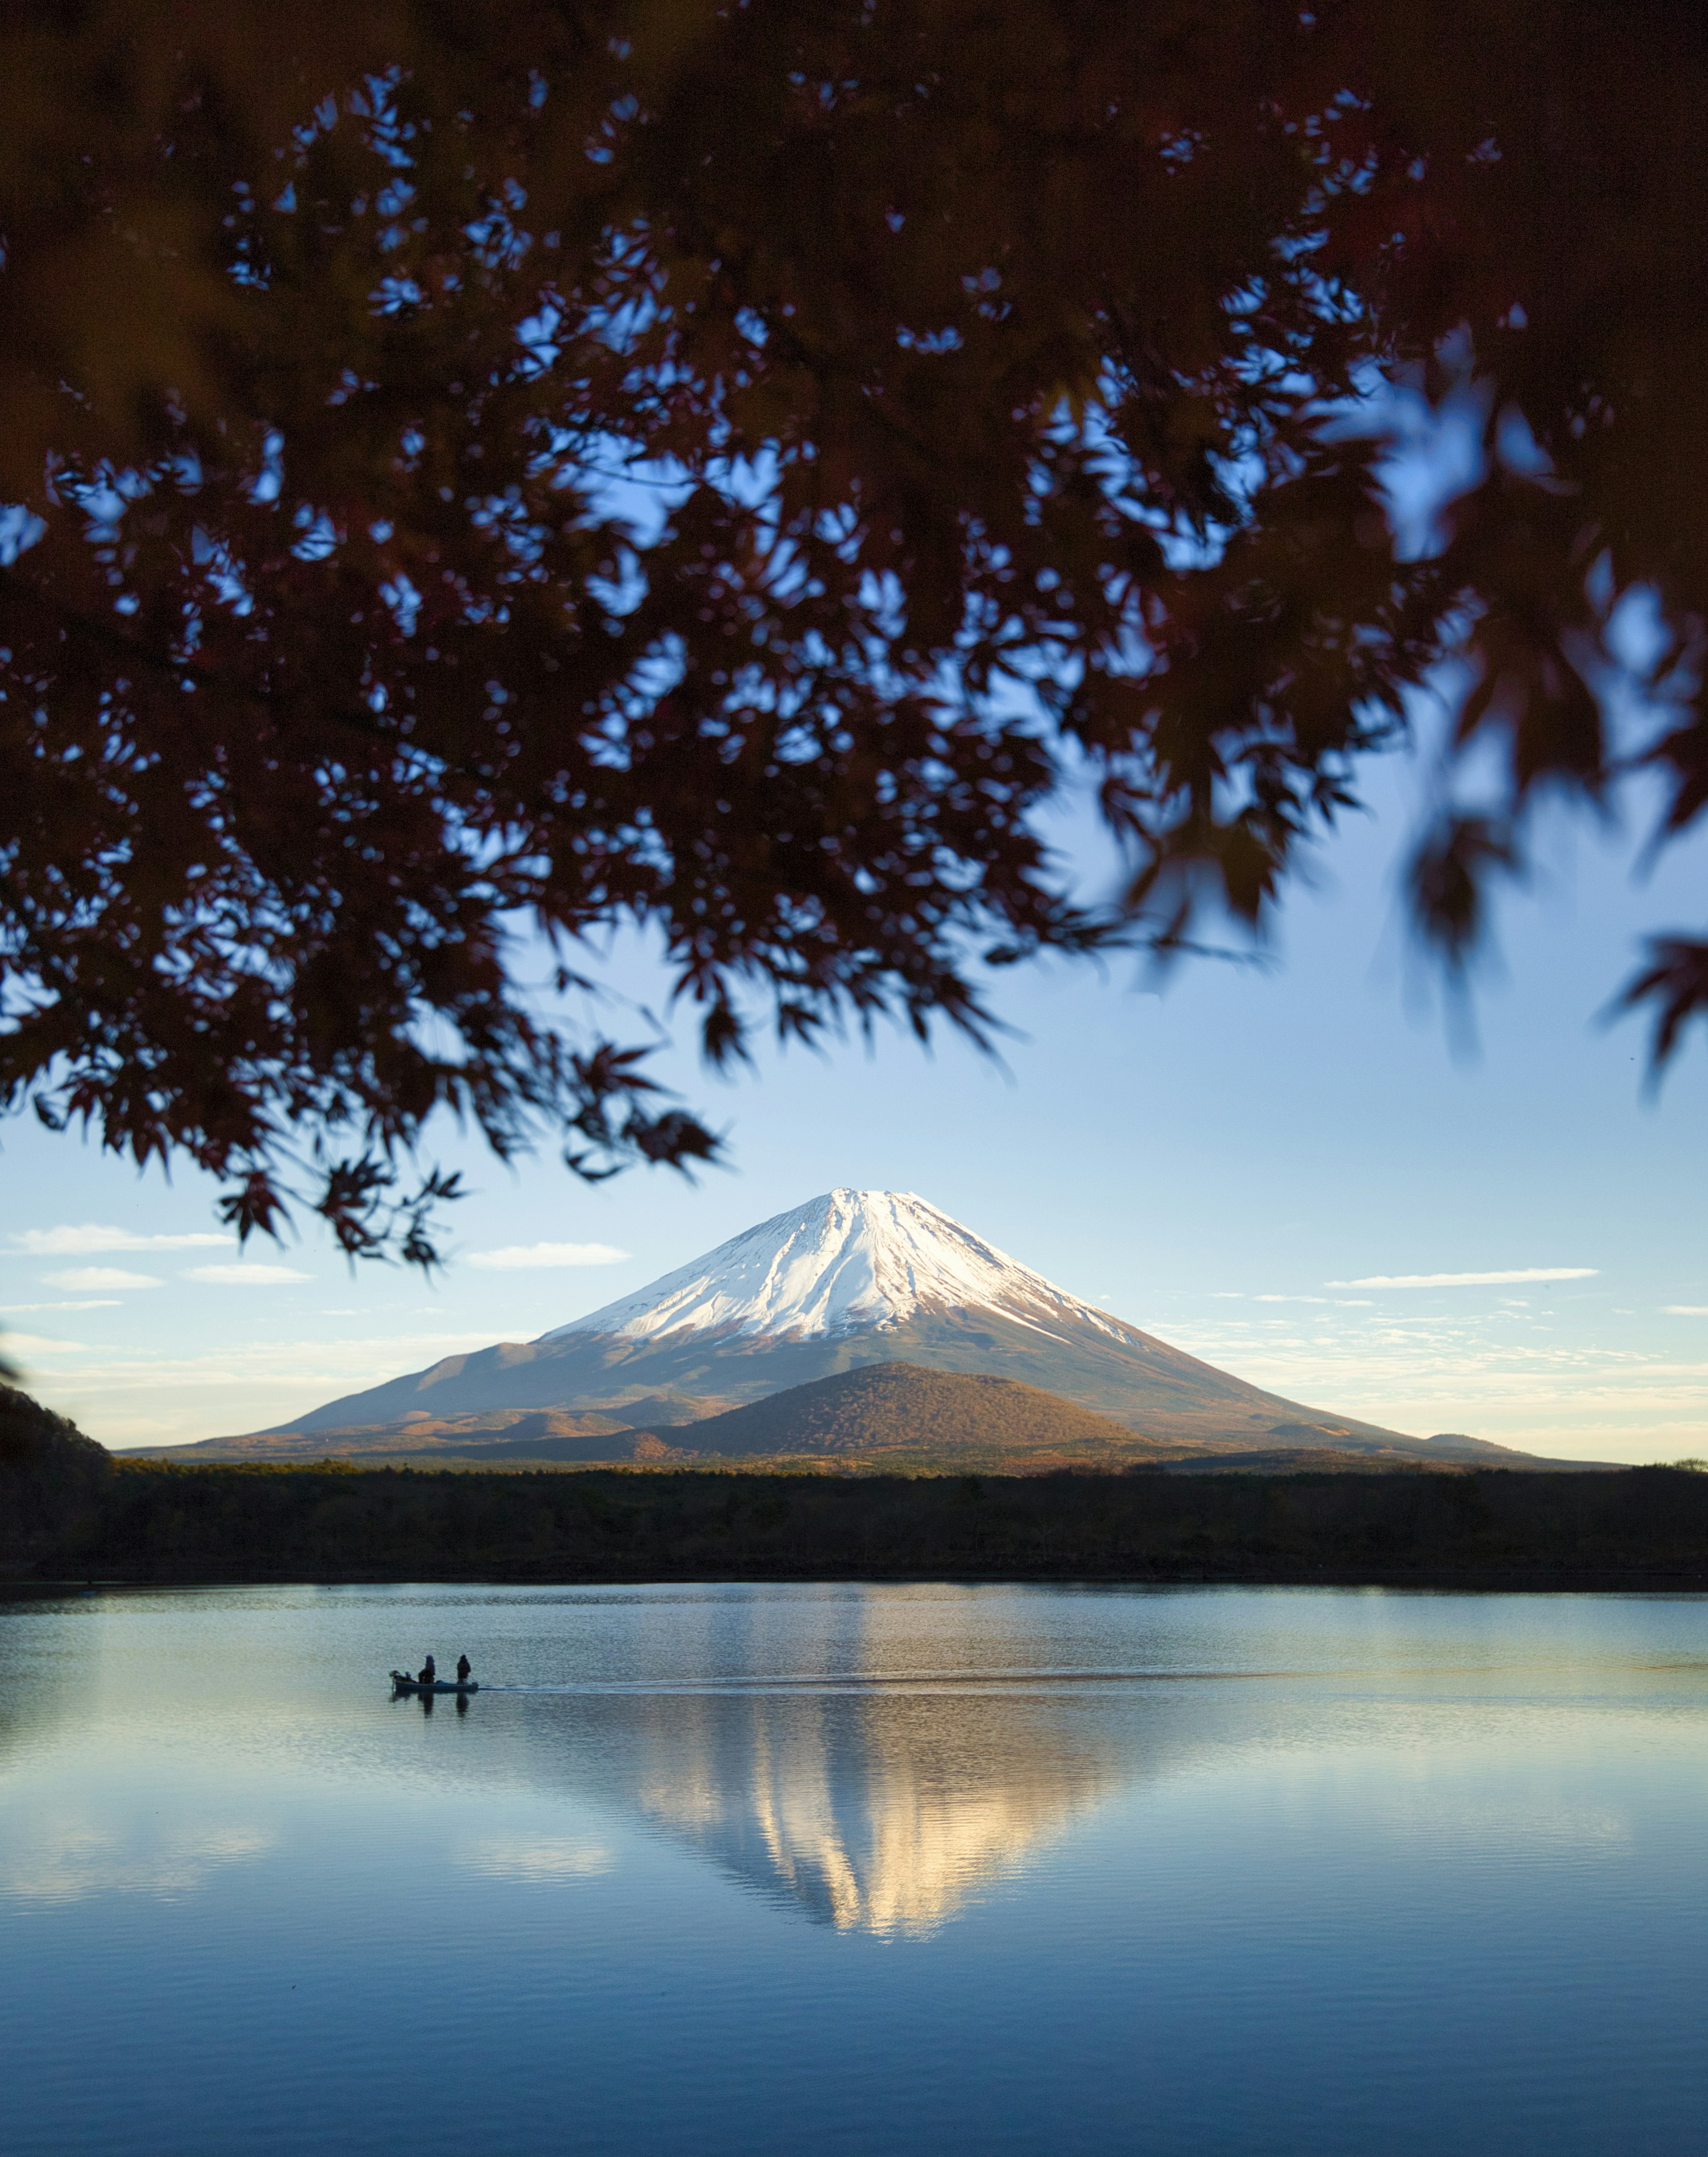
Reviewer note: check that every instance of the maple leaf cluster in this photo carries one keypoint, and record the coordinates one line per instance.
(483, 478)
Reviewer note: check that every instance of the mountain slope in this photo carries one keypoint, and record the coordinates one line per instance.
(851, 1279)
(886, 1407)
(1126, 1374)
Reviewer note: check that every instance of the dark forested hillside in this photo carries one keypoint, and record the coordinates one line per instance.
(51, 1477)
(1636, 1527)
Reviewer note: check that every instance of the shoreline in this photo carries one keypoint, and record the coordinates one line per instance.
(1511, 1581)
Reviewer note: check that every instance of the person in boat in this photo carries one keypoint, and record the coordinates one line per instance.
(427, 1674)
(463, 1667)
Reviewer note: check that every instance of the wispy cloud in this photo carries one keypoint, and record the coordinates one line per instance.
(1686, 1310)
(525, 1257)
(97, 1303)
(95, 1277)
(1333, 1302)
(66, 1242)
(1470, 1280)
(246, 1276)
(1503, 1374)
(126, 1395)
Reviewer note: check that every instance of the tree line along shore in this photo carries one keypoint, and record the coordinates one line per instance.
(68, 1512)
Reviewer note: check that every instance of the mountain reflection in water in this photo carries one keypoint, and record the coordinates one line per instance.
(874, 1757)
(880, 1812)
(899, 1868)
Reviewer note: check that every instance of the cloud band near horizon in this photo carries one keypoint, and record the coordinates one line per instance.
(1470, 1280)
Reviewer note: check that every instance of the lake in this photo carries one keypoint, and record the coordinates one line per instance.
(862, 1869)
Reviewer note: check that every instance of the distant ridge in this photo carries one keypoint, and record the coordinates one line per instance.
(850, 1279)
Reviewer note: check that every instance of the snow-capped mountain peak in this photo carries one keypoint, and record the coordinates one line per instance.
(845, 1261)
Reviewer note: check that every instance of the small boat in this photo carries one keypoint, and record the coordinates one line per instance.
(405, 1683)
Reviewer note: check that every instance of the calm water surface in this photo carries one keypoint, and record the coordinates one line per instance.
(855, 1869)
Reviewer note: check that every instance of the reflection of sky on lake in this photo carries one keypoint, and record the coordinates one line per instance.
(856, 1868)
(67, 1858)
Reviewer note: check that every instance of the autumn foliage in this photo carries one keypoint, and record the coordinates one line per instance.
(484, 477)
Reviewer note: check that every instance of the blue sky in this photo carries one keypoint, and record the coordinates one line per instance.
(1228, 1164)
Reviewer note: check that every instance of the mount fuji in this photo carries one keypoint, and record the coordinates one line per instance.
(852, 1278)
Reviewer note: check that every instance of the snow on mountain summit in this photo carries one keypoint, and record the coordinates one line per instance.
(845, 1261)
